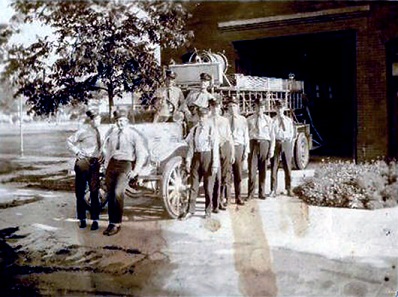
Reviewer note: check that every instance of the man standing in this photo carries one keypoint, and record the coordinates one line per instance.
(169, 99)
(282, 146)
(125, 156)
(240, 134)
(197, 98)
(222, 184)
(260, 133)
(202, 161)
(86, 145)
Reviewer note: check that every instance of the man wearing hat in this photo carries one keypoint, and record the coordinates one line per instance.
(197, 98)
(168, 99)
(282, 146)
(125, 155)
(240, 134)
(222, 183)
(202, 160)
(261, 136)
(86, 145)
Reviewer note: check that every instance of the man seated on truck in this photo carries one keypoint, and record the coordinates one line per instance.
(197, 99)
(168, 99)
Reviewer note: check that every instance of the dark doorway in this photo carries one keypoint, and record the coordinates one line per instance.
(326, 62)
(392, 93)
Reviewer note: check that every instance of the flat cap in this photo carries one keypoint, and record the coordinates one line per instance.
(122, 113)
(205, 76)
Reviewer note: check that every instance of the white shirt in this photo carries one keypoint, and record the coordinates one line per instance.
(169, 95)
(199, 98)
(283, 128)
(203, 137)
(85, 142)
(131, 146)
(260, 127)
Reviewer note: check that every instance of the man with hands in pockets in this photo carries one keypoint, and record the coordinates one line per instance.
(125, 153)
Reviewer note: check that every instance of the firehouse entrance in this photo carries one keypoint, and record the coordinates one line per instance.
(326, 62)
(392, 89)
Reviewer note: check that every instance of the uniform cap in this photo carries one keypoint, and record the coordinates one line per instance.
(232, 100)
(205, 76)
(91, 114)
(117, 114)
(216, 100)
(171, 74)
(203, 110)
(278, 104)
(260, 101)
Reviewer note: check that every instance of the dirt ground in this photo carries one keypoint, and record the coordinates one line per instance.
(277, 247)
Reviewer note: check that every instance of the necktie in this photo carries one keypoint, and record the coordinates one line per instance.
(282, 124)
(258, 124)
(118, 139)
(98, 137)
(233, 124)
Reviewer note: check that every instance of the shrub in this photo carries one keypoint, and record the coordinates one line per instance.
(367, 185)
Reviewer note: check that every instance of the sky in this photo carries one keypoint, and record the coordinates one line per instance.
(5, 11)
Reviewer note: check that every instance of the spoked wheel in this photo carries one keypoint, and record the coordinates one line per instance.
(301, 151)
(175, 188)
(102, 196)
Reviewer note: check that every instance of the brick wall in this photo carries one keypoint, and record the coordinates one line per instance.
(373, 29)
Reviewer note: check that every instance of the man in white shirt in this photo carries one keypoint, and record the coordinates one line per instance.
(261, 136)
(169, 99)
(222, 184)
(126, 154)
(202, 161)
(240, 134)
(86, 145)
(282, 146)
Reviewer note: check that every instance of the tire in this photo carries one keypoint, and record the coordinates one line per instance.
(174, 188)
(301, 151)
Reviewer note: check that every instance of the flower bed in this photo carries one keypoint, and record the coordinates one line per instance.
(345, 184)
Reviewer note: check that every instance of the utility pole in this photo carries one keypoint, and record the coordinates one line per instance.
(20, 125)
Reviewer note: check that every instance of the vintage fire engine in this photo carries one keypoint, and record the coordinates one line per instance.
(247, 89)
(164, 170)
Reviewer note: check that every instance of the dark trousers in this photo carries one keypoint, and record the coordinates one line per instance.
(222, 183)
(283, 149)
(116, 181)
(237, 170)
(87, 172)
(259, 151)
(201, 167)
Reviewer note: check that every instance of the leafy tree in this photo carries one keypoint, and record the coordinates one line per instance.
(98, 45)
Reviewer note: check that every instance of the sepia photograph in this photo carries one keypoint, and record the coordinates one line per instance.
(198, 148)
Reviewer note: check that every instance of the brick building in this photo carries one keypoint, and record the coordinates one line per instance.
(345, 52)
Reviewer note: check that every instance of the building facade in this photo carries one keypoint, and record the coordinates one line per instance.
(345, 52)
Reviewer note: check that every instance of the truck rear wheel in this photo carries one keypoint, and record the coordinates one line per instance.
(301, 151)
(175, 188)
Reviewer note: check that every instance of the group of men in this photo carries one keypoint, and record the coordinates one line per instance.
(218, 146)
